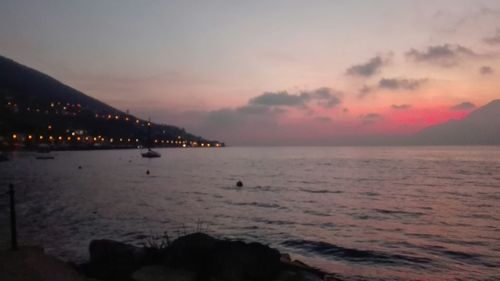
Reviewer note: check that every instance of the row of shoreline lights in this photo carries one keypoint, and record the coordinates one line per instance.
(104, 116)
(111, 140)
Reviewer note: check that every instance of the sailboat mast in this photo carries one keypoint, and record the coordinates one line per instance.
(149, 134)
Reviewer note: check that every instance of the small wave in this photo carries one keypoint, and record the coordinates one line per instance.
(273, 222)
(322, 191)
(370, 193)
(316, 213)
(257, 204)
(354, 255)
(399, 212)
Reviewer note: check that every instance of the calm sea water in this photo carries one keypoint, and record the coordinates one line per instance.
(398, 213)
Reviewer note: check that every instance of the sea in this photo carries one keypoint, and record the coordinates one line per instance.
(363, 213)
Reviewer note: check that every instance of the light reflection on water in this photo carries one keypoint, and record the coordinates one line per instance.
(402, 213)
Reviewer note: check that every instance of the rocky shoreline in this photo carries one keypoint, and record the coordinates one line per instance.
(193, 257)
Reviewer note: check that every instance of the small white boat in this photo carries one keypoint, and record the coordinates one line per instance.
(44, 152)
(150, 154)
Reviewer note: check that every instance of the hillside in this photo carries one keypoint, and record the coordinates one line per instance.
(35, 108)
(481, 127)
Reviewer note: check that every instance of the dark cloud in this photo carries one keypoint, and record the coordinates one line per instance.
(367, 69)
(371, 118)
(464, 106)
(253, 109)
(282, 98)
(324, 97)
(493, 40)
(401, 84)
(448, 22)
(486, 70)
(442, 55)
(401, 106)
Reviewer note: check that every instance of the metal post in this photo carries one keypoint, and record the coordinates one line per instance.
(13, 228)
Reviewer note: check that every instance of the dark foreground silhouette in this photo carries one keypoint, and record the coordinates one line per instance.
(194, 257)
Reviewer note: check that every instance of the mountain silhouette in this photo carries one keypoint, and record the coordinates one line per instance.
(30, 100)
(480, 127)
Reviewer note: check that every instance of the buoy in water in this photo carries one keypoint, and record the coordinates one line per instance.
(79, 167)
(239, 183)
(147, 172)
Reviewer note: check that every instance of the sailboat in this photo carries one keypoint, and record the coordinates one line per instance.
(150, 153)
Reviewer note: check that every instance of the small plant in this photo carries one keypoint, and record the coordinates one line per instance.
(157, 242)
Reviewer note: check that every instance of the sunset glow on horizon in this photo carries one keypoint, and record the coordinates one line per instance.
(286, 72)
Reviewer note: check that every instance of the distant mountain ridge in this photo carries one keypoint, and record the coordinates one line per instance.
(23, 81)
(480, 127)
(33, 103)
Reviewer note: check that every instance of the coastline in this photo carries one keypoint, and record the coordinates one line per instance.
(192, 257)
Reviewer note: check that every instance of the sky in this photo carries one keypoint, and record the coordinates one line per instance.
(268, 72)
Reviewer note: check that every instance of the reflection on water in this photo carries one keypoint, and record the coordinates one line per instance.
(424, 213)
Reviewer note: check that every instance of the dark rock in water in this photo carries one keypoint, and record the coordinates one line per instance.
(190, 251)
(239, 261)
(239, 183)
(196, 256)
(285, 257)
(162, 273)
(298, 276)
(109, 251)
(112, 260)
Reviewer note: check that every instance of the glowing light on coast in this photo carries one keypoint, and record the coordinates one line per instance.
(41, 137)
(14, 136)
(30, 137)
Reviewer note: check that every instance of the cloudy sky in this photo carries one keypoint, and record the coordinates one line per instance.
(268, 72)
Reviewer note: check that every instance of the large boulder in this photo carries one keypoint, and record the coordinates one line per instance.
(298, 276)
(239, 261)
(112, 260)
(190, 251)
(114, 252)
(162, 273)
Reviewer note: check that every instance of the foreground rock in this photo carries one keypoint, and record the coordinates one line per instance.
(195, 257)
(162, 273)
(32, 264)
(111, 260)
